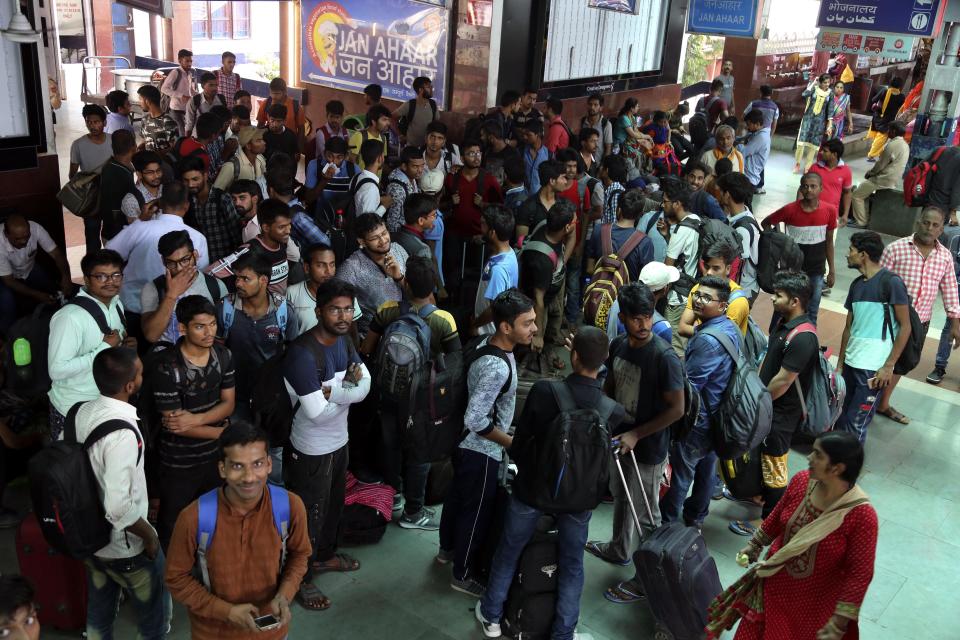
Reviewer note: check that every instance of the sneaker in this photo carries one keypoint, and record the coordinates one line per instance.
(425, 519)
(490, 629)
(9, 518)
(936, 376)
(872, 160)
(444, 556)
(581, 636)
(761, 191)
(718, 488)
(398, 502)
(468, 586)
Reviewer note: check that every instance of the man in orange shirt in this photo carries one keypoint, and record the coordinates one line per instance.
(296, 119)
(250, 544)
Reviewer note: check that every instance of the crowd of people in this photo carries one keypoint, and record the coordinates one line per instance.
(286, 348)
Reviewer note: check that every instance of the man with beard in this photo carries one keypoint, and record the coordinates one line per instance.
(324, 376)
(193, 390)
(149, 168)
(247, 196)
(414, 115)
(254, 324)
(376, 271)
(211, 210)
(402, 183)
(595, 120)
(319, 265)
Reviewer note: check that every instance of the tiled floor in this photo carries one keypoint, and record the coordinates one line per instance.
(402, 594)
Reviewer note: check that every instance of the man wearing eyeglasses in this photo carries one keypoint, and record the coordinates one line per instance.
(91, 322)
(137, 246)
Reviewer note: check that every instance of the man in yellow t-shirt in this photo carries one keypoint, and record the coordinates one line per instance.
(717, 260)
(378, 121)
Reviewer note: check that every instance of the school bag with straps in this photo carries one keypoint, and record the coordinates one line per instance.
(228, 313)
(919, 179)
(403, 358)
(164, 98)
(207, 506)
(910, 356)
(65, 491)
(197, 98)
(544, 248)
(81, 195)
(269, 103)
(745, 414)
(823, 402)
(709, 232)
(403, 124)
(212, 283)
(609, 275)
(776, 251)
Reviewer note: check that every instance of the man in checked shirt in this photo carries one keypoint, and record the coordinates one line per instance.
(925, 266)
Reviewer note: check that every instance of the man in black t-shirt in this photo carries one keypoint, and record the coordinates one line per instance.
(792, 356)
(542, 276)
(193, 390)
(278, 138)
(645, 375)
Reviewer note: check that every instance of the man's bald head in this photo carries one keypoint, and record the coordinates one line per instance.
(17, 230)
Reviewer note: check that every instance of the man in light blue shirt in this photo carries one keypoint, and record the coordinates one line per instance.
(534, 154)
(502, 271)
(90, 323)
(755, 148)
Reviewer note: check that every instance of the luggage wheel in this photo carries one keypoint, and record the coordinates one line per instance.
(661, 633)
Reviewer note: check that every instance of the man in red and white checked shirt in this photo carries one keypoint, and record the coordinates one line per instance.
(228, 82)
(925, 266)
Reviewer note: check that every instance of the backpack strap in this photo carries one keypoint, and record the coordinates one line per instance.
(652, 223)
(635, 239)
(427, 310)
(280, 504)
(736, 295)
(606, 239)
(90, 306)
(724, 341)
(282, 316)
(563, 395)
(105, 429)
(213, 286)
(542, 247)
(70, 424)
(207, 506)
(803, 327)
(227, 313)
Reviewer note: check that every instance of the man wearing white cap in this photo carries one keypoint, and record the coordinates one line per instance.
(658, 277)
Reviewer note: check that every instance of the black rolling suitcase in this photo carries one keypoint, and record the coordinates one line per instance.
(532, 600)
(678, 574)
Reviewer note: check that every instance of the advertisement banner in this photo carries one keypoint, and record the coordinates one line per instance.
(348, 44)
(887, 45)
(724, 17)
(908, 17)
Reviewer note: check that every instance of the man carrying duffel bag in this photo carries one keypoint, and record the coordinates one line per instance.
(561, 448)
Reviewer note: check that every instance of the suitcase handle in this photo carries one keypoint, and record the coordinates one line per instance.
(626, 489)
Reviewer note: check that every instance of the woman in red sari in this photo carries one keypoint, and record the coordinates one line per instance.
(822, 537)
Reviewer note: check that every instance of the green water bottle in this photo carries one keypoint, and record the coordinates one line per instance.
(22, 357)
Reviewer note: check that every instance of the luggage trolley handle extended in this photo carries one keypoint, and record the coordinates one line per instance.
(626, 488)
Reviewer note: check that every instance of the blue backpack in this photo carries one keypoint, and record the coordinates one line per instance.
(403, 360)
(229, 312)
(207, 525)
(755, 340)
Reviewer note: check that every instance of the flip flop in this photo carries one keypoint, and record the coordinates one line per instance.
(894, 415)
(344, 563)
(593, 548)
(620, 594)
(312, 598)
(742, 528)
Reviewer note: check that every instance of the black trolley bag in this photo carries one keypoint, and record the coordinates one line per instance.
(678, 574)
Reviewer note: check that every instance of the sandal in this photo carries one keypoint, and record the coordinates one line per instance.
(894, 415)
(344, 563)
(593, 548)
(620, 594)
(742, 528)
(312, 598)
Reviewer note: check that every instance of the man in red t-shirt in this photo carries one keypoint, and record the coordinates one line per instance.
(556, 133)
(836, 178)
(580, 193)
(811, 223)
(467, 199)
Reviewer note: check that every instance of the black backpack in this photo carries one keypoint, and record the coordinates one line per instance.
(197, 98)
(403, 124)
(572, 456)
(213, 286)
(745, 415)
(710, 232)
(173, 157)
(65, 492)
(32, 380)
(403, 359)
(910, 356)
(776, 252)
(531, 603)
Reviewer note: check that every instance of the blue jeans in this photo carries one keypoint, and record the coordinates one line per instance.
(573, 287)
(860, 403)
(813, 307)
(142, 579)
(694, 462)
(945, 347)
(518, 528)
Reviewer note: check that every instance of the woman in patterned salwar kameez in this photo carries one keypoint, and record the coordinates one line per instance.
(822, 537)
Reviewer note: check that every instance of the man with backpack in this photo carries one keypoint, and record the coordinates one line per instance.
(158, 129)
(533, 152)
(133, 559)
(211, 211)
(578, 404)
(365, 186)
(631, 207)
(207, 129)
(534, 210)
(710, 367)
(214, 537)
(645, 376)
(416, 315)
(735, 190)
(319, 266)
(178, 88)
(557, 134)
(402, 183)
(595, 120)
(702, 202)
(420, 211)
(501, 271)
(469, 190)
(870, 347)
(93, 321)
(295, 119)
(680, 229)
(491, 390)
(203, 102)
(812, 225)
(788, 368)
(254, 323)
(415, 114)
(248, 163)
(192, 388)
(378, 125)
(327, 181)
(323, 376)
(180, 278)
(717, 259)
(439, 157)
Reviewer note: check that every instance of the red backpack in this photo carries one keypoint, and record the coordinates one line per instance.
(919, 179)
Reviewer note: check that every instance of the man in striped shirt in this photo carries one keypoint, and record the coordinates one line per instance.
(228, 82)
(925, 266)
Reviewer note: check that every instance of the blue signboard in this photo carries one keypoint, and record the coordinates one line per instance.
(723, 17)
(909, 17)
(348, 44)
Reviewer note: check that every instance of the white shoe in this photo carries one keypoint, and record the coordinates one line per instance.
(581, 636)
(491, 629)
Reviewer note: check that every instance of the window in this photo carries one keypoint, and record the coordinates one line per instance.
(220, 20)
